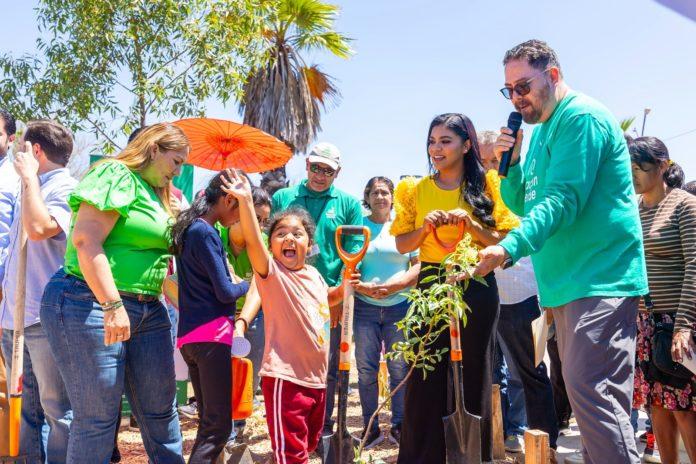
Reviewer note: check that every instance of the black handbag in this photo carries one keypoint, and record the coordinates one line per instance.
(662, 367)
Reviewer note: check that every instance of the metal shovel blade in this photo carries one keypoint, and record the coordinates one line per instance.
(462, 438)
(339, 448)
(238, 454)
(462, 429)
(13, 460)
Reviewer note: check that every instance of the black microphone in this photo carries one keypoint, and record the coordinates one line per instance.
(514, 123)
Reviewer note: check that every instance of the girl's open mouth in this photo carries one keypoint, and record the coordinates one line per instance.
(289, 253)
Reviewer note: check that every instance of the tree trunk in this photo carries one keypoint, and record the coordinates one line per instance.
(274, 180)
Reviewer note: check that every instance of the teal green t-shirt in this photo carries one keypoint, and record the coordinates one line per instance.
(329, 209)
(581, 224)
(137, 246)
(383, 262)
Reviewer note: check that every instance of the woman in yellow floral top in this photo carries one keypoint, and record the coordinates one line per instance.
(457, 191)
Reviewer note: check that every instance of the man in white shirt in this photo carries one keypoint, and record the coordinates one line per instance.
(519, 306)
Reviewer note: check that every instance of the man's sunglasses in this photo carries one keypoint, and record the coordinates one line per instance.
(522, 88)
(316, 169)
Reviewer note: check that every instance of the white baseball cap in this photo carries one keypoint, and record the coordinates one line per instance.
(325, 153)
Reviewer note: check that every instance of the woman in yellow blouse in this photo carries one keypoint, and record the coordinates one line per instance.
(456, 191)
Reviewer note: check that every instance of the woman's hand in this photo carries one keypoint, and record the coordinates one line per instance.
(236, 185)
(116, 326)
(458, 216)
(682, 344)
(373, 290)
(435, 219)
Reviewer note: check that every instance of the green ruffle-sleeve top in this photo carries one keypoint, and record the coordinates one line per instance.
(137, 247)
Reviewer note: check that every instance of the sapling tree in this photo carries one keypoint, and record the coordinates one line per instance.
(427, 318)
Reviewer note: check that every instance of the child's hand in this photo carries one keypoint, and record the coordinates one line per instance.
(236, 184)
(354, 280)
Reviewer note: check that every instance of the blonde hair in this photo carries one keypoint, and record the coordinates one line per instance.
(138, 153)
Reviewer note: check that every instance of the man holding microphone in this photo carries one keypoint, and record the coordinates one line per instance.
(581, 226)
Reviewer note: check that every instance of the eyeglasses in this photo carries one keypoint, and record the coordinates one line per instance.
(521, 89)
(316, 169)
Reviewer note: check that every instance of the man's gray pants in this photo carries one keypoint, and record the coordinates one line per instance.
(597, 347)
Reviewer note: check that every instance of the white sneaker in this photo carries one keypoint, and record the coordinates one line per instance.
(575, 458)
(190, 410)
(514, 444)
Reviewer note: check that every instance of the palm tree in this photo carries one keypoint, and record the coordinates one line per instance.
(626, 123)
(284, 96)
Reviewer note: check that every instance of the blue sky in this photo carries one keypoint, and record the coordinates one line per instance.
(416, 59)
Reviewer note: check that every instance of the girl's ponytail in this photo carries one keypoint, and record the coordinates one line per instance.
(674, 175)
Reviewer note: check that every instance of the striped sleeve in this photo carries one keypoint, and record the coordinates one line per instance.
(686, 313)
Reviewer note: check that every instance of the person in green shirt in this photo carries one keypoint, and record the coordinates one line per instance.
(329, 208)
(103, 312)
(581, 226)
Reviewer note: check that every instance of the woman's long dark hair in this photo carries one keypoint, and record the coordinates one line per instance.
(651, 150)
(200, 206)
(473, 186)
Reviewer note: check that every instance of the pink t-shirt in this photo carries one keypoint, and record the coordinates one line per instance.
(296, 318)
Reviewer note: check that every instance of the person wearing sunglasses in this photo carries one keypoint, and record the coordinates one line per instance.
(329, 207)
(582, 228)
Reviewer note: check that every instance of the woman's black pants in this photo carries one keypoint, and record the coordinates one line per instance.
(428, 400)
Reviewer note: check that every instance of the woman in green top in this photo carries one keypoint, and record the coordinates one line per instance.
(102, 313)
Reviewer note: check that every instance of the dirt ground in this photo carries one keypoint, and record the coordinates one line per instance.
(259, 443)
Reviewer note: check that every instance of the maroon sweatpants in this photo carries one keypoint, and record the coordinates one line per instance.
(295, 417)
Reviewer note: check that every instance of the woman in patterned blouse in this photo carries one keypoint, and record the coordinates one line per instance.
(668, 219)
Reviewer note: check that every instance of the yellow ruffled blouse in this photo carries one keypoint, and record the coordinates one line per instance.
(415, 198)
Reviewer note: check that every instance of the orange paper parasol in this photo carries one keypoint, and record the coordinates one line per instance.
(217, 144)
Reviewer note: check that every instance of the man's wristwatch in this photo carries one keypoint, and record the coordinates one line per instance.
(507, 263)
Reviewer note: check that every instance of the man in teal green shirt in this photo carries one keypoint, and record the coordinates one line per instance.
(330, 208)
(581, 226)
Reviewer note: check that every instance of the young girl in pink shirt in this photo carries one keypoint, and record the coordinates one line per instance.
(296, 302)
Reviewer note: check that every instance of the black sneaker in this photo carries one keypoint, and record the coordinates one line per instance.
(395, 434)
(132, 423)
(374, 438)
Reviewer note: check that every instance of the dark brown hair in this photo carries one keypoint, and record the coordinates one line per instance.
(371, 183)
(473, 187)
(651, 150)
(55, 140)
(536, 53)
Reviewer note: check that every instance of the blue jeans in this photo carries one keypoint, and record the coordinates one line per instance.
(95, 375)
(46, 412)
(372, 326)
(511, 395)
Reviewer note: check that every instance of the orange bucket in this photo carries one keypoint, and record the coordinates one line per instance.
(242, 388)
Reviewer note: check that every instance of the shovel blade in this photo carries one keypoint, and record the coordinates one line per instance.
(238, 454)
(13, 460)
(462, 437)
(338, 448)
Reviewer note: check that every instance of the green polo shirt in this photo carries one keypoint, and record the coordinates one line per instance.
(329, 209)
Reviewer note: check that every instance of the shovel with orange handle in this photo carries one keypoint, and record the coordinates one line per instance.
(462, 429)
(339, 448)
(17, 369)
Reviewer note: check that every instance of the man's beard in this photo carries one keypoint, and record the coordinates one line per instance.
(536, 113)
